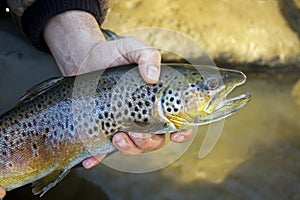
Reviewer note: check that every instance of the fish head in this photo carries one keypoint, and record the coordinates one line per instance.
(199, 96)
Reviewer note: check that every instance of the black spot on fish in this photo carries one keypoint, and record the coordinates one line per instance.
(144, 112)
(140, 104)
(72, 127)
(34, 146)
(136, 108)
(126, 112)
(147, 103)
(153, 98)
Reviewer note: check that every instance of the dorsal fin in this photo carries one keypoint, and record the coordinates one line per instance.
(39, 89)
(110, 35)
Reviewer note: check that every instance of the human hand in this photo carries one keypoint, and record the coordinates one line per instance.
(80, 48)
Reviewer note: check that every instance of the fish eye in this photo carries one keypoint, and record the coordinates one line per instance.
(212, 83)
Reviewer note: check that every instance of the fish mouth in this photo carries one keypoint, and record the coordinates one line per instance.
(229, 106)
(224, 107)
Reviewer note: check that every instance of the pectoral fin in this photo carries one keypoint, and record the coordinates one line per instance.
(41, 186)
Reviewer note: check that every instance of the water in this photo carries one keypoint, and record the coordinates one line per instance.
(257, 156)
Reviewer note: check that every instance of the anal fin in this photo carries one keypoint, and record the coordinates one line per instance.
(41, 186)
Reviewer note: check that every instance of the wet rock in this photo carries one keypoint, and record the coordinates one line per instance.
(260, 33)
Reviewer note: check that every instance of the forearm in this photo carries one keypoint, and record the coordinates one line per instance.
(70, 36)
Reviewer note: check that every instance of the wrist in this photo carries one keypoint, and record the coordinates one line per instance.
(70, 36)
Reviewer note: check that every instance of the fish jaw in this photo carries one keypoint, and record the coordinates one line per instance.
(226, 108)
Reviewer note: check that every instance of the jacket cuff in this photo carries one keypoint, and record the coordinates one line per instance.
(36, 16)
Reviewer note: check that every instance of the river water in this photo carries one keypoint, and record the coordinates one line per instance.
(256, 157)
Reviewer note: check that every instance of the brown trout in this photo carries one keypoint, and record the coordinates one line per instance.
(62, 121)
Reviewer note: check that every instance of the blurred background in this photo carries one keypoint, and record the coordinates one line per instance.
(258, 153)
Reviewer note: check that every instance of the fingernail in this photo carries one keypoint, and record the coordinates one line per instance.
(89, 163)
(153, 73)
(120, 141)
(179, 138)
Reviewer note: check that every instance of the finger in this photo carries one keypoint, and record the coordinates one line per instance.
(147, 142)
(2, 192)
(149, 65)
(92, 161)
(124, 51)
(125, 145)
(181, 136)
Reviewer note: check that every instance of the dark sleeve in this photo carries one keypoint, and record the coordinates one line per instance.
(37, 14)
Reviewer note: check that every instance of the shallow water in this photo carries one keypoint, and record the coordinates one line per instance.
(256, 157)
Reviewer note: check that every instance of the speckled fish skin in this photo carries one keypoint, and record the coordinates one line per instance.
(63, 121)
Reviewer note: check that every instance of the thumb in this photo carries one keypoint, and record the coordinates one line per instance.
(124, 51)
(148, 58)
(149, 65)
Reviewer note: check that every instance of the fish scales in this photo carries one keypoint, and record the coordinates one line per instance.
(63, 121)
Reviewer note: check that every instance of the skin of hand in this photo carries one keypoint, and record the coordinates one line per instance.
(2, 192)
(78, 46)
